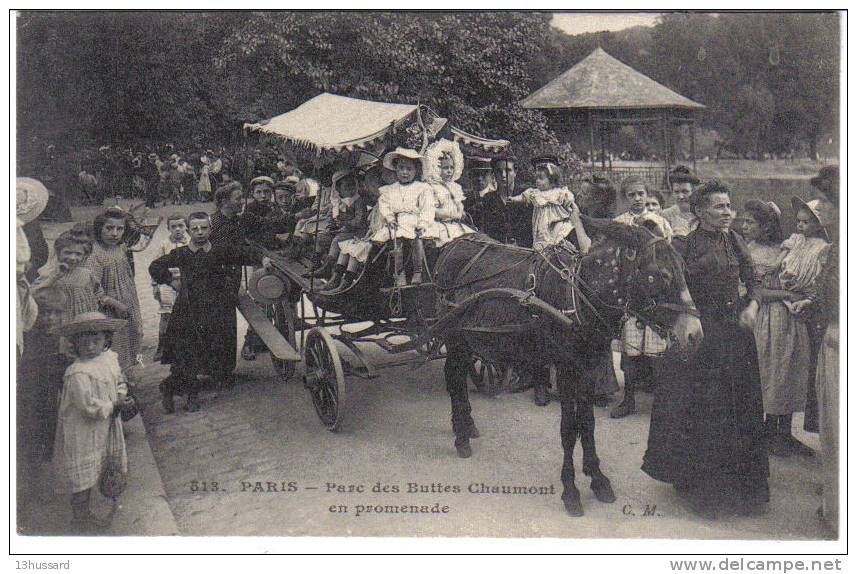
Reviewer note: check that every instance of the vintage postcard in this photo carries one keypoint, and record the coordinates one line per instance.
(497, 276)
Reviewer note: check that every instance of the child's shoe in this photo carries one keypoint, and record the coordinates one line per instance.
(192, 405)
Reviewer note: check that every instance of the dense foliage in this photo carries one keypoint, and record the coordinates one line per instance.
(768, 80)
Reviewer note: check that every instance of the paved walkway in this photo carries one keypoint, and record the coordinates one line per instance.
(256, 461)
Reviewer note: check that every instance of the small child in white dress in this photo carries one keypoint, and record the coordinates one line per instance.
(443, 165)
(94, 393)
(804, 254)
(407, 207)
(555, 214)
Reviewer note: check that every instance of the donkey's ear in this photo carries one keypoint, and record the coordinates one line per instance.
(625, 234)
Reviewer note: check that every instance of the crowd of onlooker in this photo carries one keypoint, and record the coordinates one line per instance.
(80, 307)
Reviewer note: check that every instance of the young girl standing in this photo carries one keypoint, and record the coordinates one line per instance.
(787, 275)
(111, 268)
(555, 214)
(82, 292)
(94, 391)
(782, 342)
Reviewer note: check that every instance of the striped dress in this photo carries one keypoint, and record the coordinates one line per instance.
(110, 267)
(83, 293)
(782, 341)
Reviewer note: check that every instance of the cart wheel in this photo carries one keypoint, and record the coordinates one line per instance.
(324, 378)
(282, 315)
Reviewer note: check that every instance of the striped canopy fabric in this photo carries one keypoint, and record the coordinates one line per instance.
(329, 122)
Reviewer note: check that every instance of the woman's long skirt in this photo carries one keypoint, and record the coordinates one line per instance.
(707, 418)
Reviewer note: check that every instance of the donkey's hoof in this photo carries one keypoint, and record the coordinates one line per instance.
(463, 449)
(603, 490)
(473, 432)
(572, 504)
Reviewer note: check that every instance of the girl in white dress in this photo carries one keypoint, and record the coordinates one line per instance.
(94, 393)
(408, 208)
(555, 215)
(442, 167)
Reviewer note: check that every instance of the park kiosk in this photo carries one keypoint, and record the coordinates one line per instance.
(599, 94)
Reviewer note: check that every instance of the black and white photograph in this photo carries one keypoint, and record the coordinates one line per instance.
(567, 278)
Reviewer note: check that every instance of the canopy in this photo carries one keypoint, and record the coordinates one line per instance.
(601, 82)
(331, 123)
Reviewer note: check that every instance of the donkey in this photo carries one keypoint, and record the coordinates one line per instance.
(525, 309)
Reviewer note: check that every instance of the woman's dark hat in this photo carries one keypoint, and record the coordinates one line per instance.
(827, 182)
(544, 159)
(475, 163)
(682, 174)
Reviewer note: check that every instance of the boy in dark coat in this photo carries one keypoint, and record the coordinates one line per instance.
(201, 337)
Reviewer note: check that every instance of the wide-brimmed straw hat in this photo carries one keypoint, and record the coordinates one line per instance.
(390, 158)
(818, 211)
(90, 322)
(31, 198)
(269, 287)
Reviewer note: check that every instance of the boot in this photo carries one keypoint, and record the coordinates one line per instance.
(626, 407)
(791, 443)
(400, 280)
(540, 394)
(335, 278)
(347, 281)
(192, 405)
(247, 351)
(83, 521)
(419, 261)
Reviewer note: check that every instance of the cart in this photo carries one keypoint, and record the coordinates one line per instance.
(303, 327)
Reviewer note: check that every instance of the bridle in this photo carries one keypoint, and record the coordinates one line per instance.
(588, 295)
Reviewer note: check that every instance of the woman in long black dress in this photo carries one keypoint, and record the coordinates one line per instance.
(706, 434)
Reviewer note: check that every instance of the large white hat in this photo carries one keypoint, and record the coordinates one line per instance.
(401, 152)
(822, 213)
(91, 321)
(431, 159)
(31, 198)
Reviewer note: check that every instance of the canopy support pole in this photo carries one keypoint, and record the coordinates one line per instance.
(591, 141)
(666, 150)
(692, 126)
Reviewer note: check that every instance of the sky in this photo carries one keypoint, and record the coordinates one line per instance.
(582, 23)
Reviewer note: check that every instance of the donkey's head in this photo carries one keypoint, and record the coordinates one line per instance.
(637, 270)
